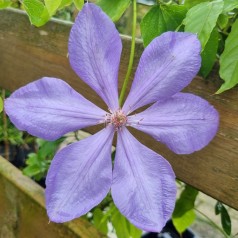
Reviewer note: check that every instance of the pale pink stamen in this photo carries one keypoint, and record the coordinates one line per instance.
(117, 119)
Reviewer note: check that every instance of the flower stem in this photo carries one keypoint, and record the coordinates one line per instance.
(5, 135)
(212, 222)
(132, 54)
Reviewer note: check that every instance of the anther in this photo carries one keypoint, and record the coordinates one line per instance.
(117, 119)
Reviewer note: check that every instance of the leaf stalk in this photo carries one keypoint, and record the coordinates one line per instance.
(132, 55)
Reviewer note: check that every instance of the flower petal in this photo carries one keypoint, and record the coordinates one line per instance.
(49, 108)
(79, 177)
(184, 122)
(143, 186)
(94, 52)
(168, 64)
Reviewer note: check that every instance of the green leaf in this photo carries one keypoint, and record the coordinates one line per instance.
(31, 159)
(222, 21)
(65, 3)
(99, 222)
(1, 104)
(218, 208)
(120, 225)
(79, 4)
(209, 53)
(183, 222)
(160, 19)
(225, 218)
(47, 149)
(152, 25)
(202, 18)
(36, 167)
(52, 6)
(229, 5)
(183, 215)
(14, 135)
(134, 231)
(5, 4)
(226, 221)
(114, 8)
(38, 163)
(123, 228)
(36, 11)
(229, 60)
(192, 3)
(31, 170)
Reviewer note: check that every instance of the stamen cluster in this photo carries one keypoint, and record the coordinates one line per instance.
(117, 119)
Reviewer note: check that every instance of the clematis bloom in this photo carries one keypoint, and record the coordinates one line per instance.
(142, 182)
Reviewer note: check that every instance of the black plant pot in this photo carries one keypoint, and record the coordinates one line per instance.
(169, 231)
(17, 154)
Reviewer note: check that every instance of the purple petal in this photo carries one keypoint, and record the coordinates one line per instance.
(168, 64)
(49, 108)
(143, 186)
(79, 177)
(184, 122)
(94, 52)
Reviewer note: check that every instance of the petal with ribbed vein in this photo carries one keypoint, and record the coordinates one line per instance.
(184, 122)
(79, 177)
(143, 188)
(49, 108)
(94, 52)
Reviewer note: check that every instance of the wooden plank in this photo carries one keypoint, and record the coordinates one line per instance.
(23, 213)
(28, 53)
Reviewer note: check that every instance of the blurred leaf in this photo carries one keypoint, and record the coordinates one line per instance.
(47, 148)
(120, 225)
(31, 170)
(160, 19)
(183, 222)
(38, 163)
(183, 215)
(36, 166)
(152, 25)
(218, 208)
(1, 104)
(123, 228)
(14, 136)
(32, 158)
(192, 3)
(185, 201)
(52, 6)
(36, 11)
(225, 218)
(114, 8)
(65, 3)
(5, 3)
(209, 53)
(222, 21)
(134, 231)
(99, 222)
(79, 4)
(229, 60)
(202, 18)
(226, 221)
(229, 5)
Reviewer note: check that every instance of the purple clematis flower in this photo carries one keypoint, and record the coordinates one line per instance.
(142, 182)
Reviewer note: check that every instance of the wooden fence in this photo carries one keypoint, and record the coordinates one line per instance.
(28, 53)
(23, 214)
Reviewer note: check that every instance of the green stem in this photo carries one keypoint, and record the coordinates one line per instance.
(5, 134)
(212, 222)
(132, 54)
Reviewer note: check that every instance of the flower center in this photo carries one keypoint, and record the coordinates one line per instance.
(117, 119)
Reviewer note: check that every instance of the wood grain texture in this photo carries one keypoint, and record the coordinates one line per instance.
(28, 53)
(23, 213)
